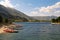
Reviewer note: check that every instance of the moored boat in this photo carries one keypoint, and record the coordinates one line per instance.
(10, 30)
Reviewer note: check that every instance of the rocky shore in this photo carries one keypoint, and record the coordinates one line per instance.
(9, 26)
(6, 26)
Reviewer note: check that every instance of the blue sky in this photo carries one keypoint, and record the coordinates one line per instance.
(35, 7)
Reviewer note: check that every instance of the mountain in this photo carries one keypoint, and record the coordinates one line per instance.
(43, 17)
(12, 13)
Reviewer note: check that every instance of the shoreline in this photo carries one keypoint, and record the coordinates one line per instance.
(8, 26)
(12, 26)
(55, 23)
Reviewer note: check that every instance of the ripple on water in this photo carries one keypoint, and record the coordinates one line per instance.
(34, 31)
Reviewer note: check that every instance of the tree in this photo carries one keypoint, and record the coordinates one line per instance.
(1, 19)
(58, 19)
(53, 20)
(6, 20)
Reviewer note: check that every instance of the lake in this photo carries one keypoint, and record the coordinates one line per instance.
(34, 31)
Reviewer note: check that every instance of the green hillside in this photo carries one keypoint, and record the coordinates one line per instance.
(13, 14)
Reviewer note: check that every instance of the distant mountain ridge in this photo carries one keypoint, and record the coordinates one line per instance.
(44, 17)
(12, 13)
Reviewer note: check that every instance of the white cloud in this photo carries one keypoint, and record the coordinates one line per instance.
(48, 11)
(6, 3)
(50, 8)
(34, 13)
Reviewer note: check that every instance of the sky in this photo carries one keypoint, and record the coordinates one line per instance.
(34, 7)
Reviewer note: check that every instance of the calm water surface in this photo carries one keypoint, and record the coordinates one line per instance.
(34, 31)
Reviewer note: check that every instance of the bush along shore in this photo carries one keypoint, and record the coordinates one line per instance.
(56, 21)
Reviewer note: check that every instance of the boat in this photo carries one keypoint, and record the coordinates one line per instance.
(10, 30)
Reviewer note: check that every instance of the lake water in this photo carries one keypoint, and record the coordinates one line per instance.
(34, 31)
